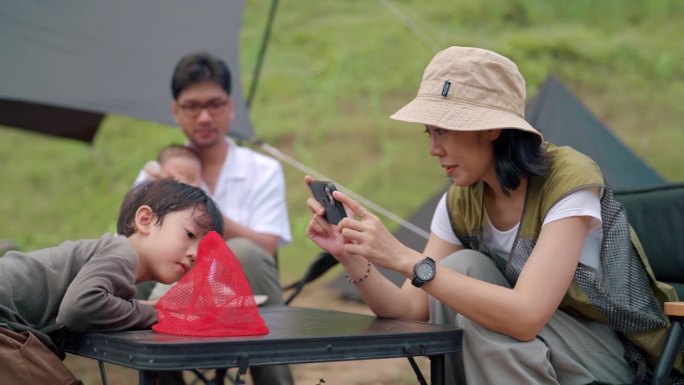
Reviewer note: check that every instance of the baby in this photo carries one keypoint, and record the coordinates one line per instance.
(178, 162)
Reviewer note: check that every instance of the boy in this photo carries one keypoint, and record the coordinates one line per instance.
(176, 161)
(248, 186)
(89, 284)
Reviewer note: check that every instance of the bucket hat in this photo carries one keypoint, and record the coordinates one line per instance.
(469, 89)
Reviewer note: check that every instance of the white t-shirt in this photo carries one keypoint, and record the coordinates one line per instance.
(251, 191)
(581, 203)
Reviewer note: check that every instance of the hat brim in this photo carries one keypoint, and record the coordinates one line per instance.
(456, 115)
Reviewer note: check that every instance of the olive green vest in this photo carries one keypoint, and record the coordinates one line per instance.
(627, 298)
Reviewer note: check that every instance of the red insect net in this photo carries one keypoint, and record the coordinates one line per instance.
(212, 299)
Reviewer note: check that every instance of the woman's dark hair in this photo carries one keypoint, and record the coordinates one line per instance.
(166, 196)
(197, 68)
(518, 154)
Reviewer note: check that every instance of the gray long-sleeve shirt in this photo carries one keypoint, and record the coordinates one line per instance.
(81, 285)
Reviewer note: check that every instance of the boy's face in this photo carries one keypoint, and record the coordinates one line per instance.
(170, 247)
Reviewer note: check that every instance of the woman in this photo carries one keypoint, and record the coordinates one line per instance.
(528, 251)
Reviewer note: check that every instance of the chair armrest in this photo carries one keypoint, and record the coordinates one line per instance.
(675, 309)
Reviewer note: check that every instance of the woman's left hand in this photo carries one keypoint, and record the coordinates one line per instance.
(368, 237)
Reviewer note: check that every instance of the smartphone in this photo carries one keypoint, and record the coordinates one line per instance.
(322, 191)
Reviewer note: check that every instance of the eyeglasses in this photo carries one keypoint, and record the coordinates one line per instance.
(213, 107)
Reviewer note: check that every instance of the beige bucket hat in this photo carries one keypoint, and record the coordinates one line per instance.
(469, 89)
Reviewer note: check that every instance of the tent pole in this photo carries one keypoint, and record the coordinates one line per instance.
(262, 52)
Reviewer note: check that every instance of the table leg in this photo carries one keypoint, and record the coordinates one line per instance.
(147, 377)
(220, 376)
(437, 370)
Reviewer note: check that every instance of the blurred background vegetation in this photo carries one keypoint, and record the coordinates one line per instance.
(333, 73)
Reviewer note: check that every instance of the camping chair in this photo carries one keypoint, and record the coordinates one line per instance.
(657, 216)
(318, 267)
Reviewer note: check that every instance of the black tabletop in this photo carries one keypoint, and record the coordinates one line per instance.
(296, 335)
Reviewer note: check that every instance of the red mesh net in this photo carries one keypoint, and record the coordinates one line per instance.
(212, 299)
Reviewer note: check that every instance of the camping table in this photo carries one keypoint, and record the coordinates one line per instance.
(297, 335)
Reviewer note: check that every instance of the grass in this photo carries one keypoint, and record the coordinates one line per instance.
(335, 71)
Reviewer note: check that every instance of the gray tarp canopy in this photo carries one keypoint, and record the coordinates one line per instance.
(65, 64)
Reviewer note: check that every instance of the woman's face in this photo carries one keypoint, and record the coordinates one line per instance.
(466, 156)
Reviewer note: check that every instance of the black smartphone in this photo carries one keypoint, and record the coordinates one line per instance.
(322, 191)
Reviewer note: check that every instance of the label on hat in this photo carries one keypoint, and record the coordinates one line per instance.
(445, 88)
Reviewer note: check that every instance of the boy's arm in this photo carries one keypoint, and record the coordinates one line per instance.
(101, 297)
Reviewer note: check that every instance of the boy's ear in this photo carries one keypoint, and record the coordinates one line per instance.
(144, 219)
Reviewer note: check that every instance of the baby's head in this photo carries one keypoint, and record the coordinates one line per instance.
(181, 163)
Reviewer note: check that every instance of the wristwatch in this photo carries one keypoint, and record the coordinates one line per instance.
(423, 272)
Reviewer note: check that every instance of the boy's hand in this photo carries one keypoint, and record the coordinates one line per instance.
(150, 302)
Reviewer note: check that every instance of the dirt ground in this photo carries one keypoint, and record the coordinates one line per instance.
(395, 371)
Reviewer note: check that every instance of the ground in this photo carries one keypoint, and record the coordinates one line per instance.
(395, 371)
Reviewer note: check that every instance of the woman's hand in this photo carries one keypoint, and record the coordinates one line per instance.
(361, 234)
(319, 230)
(368, 237)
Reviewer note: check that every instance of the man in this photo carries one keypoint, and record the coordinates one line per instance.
(248, 187)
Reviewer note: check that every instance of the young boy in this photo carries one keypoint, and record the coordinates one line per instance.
(89, 284)
(179, 162)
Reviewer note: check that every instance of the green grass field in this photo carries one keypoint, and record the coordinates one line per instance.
(334, 72)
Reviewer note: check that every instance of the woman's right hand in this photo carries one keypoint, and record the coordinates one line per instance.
(319, 230)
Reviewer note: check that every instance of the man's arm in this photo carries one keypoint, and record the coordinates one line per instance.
(267, 222)
(233, 229)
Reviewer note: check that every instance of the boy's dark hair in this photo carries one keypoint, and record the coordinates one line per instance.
(197, 68)
(173, 150)
(518, 154)
(166, 196)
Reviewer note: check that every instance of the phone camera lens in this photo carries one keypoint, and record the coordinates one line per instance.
(328, 194)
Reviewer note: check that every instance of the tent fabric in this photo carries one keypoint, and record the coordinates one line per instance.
(50, 120)
(564, 121)
(100, 57)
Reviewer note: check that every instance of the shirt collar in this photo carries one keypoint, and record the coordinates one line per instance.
(235, 167)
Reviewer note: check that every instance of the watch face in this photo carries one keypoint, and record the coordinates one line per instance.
(425, 271)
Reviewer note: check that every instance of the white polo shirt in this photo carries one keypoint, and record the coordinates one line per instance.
(251, 191)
